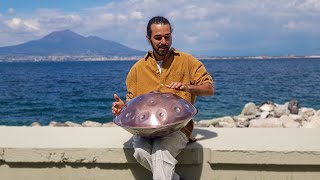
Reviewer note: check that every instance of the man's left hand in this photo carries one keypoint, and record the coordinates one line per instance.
(178, 86)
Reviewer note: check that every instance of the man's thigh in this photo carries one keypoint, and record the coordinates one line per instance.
(173, 143)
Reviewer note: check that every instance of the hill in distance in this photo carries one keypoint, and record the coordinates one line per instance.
(67, 42)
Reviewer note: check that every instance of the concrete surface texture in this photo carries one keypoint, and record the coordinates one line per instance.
(106, 153)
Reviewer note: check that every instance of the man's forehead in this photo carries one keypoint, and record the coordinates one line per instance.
(161, 28)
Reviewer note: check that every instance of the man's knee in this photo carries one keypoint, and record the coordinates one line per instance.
(141, 155)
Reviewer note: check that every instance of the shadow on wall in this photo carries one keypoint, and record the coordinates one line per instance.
(190, 160)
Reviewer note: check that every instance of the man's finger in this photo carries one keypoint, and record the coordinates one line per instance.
(116, 97)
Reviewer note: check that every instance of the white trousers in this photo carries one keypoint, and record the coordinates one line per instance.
(158, 155)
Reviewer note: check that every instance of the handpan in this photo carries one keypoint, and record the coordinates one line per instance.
(155, 114)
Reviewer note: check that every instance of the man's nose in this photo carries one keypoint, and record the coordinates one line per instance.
(163, 40)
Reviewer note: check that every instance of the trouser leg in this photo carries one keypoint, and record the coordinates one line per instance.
(142, 151)
(164, 151)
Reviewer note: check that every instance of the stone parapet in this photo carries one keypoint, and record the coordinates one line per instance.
(106, 153)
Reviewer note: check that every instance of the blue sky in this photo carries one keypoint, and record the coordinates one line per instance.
(206, 27)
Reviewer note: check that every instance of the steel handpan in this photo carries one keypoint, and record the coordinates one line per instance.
(155, 114)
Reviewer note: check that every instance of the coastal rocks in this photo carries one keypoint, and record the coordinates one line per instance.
(268, 115)
(72, 124)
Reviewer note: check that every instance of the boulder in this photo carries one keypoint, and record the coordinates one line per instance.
(306, 112)
(250, 109)
(293, 106)
(91, 124)
(225, 122)
(109, 124)
(297, 117)
(264, 114)
(288, 122)
(312, 124)
(241, 118)
(243, 124)
(72, 124)
(35, 124)
(56, 124)
(266, 123)
(281, 110)
(207, 122)
(267, 107)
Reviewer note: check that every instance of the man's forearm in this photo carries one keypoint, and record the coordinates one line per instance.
(201, 90)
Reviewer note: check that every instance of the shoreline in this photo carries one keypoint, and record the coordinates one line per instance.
(68, 58)
(266, 115)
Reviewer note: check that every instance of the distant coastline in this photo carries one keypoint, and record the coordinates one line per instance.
(59, 58)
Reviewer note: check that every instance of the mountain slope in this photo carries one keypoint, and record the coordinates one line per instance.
(69, 43)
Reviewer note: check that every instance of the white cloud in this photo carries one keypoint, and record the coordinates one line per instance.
(136, 15)
(11, 11)
(23, 25)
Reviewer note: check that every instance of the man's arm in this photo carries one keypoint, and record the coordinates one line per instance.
(199, 90)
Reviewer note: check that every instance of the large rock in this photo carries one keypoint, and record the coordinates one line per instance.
(56, 124)
(266, 123)
(225, 122)
(297, 117)
(281, 110)
(72, 124)
(207, 122)
(250, 109)
(109, 124)
(315, 123)
(35, 124)
(91, 124)
(288, 122)
(293, 106)
(306, 113)
(267, 107)
(264, 114)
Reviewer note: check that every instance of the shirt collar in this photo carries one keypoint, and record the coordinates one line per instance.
(150, 53)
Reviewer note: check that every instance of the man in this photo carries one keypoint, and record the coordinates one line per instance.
(166, 70)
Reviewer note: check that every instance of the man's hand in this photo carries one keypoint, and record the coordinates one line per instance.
(178, 86)
(117, 105)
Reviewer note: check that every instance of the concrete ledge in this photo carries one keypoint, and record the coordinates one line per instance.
(106, 153)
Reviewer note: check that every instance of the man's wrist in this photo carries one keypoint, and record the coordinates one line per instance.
(189, 88)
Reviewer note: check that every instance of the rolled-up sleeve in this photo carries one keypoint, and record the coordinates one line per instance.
(131, 83)
(199, 74)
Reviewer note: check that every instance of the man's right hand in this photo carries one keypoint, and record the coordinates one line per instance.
(117, 105)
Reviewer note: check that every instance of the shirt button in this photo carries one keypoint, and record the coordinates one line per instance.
(162, 85)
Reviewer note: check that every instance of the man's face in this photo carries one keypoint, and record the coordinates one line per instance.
(160, 38)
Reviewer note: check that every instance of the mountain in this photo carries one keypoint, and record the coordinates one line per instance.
(70, 43)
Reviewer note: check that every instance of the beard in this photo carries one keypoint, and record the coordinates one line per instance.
(161, 50)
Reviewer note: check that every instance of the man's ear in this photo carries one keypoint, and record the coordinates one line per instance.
(148, 38)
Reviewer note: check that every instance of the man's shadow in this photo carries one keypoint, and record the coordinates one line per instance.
(190, 160)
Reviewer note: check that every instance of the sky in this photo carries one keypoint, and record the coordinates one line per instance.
(200, 27)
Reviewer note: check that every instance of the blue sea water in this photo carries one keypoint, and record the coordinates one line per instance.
(79, 91)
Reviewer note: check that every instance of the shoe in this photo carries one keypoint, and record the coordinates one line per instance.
(181, 178)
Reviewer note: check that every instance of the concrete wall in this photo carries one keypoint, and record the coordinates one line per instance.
(64, 153)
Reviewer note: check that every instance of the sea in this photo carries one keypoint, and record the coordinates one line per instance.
(83, 90)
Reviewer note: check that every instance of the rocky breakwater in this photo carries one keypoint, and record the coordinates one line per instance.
(268, 115)
(73, 124)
